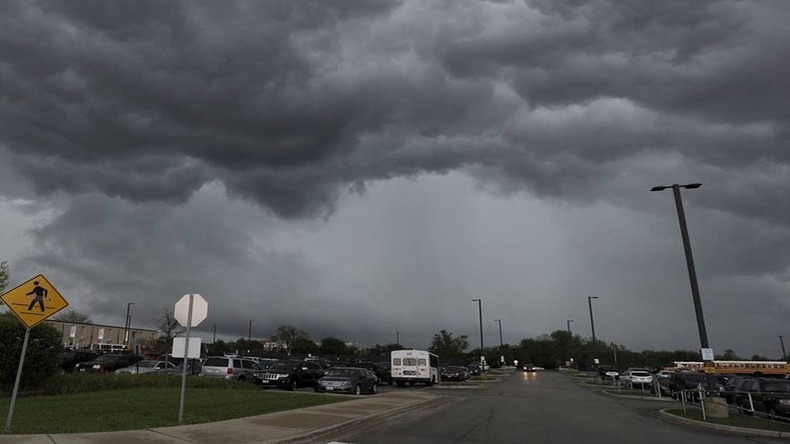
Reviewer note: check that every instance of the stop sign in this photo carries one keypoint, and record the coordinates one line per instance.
(199, 310)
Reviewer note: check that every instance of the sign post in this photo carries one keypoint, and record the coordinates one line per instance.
(32, 303)
(190, 311)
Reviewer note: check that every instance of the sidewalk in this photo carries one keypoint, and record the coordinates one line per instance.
(287, 426)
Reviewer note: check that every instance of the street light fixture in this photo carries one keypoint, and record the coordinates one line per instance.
(703, 334)
(480, 313)
(569, 324)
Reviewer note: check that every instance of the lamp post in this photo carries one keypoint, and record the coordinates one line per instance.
(569, 324)
(128, 325)
(501, 344)
(592, 322)
(703, 334)
(480, 313)
(397, 337)
(214, 338)
(782, 341)
(249, 332)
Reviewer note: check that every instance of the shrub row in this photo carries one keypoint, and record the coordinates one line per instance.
(92, 382)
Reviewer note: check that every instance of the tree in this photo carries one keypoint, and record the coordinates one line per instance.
(287, 334)
(169, 326)
(448, 346)
(333, 346)
(304, 346)
(73, 317)
(41, 359)
(4, 275)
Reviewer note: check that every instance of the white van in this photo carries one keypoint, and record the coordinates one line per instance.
(414, 366)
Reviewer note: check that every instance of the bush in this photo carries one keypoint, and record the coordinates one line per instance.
(42, 357)
(93, 382)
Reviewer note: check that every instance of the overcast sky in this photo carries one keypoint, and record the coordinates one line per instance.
(360, 167)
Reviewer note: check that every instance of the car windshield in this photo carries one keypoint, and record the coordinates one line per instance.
(641, 374)
(145, 364)
(343, 372)
(286, 366)
(108, 358)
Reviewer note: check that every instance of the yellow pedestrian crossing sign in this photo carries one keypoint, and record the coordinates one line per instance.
(34, 301)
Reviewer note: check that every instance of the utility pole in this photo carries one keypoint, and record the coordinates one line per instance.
(782, 341)
(397, 337)
(569, 324)
(128, 324)
(249, 332)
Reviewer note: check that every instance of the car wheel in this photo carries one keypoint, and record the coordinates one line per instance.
(241, 378)
(293, 385)
(317, 390)
(357, 390)
(374, 389)
(771, 412)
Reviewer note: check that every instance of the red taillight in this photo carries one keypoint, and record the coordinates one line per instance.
(230, 370)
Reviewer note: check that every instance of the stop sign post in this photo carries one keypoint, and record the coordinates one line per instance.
(190, 311)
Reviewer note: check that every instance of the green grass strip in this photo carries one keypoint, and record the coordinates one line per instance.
(140, 408)
(749, 422)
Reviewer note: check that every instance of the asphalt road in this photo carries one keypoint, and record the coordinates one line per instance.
(543, 407)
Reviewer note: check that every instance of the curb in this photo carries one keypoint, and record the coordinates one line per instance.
(640, 398)
(723, 428)
(309, 436)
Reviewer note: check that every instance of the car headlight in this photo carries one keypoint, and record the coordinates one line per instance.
(784, 401)
(282, 376)
(96, 366)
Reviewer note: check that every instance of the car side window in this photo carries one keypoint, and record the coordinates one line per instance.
(237, 363)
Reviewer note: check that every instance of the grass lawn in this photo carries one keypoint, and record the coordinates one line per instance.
(139, 408)
(735, 420)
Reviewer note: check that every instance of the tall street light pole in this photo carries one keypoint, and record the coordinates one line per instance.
(703, 334)
(592, 322)
(214, 339)
(480, 313)
(782, 341)
(128, 324)
(569, 324)
(397, 337)
(499, 321)
(249, 332)
(501, 344)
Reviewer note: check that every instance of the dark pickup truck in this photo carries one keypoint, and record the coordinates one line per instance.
(290, 375)
(107, 363)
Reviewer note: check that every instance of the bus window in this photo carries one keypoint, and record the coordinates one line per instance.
(409, 362)
(396, 361)
(422, 362)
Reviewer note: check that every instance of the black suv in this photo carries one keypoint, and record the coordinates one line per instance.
(70, 358)
(290, 375)
(768, 395)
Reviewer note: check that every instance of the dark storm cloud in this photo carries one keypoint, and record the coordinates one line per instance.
(130, 109)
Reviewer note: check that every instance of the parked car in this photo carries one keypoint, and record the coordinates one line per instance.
(607, 372)
(193, 368)
(636, 378)
(145, 366)
(107, 363)
(733, 386)
(474, 369)
(241, 369)
(348, 379)
(687, 381)
(382, 370)
(454, 373)
(771, 396)
(70, 358)
(290, 375)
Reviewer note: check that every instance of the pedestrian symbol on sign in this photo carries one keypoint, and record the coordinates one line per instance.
(40, 294)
